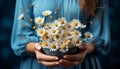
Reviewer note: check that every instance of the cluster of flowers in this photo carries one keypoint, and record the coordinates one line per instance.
(60, 34)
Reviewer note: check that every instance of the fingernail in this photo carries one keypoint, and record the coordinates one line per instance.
(64, 57)
(56, 58)
(57, 63)
(60, 61)
(38, 47)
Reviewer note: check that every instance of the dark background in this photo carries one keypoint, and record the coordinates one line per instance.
(10, 61)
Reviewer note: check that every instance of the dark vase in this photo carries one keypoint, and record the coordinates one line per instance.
(59, 54)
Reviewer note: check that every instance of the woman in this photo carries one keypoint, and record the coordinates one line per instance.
(24, 41)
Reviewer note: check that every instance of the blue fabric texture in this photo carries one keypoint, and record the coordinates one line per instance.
(23, 31)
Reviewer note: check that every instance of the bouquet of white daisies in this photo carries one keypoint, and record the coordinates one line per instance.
(60, 35)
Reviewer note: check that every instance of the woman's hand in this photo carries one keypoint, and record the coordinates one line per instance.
(72, 60)
(50, 61)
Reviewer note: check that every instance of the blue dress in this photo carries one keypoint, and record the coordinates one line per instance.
(24, 32)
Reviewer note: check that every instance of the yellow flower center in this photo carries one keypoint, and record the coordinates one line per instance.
(46, 33)
(76, 40)
(69, 26)
(56, 25)
(42, 38)
(76, 33)
(63, 47)
(57, 36)
(53, 46)
(44, 43)
(68, 34)
(46, 13)
(75, 23)
(88, 36)
(62, 21)
(39, 20)
(47, 37)
(65, 40)
(41, 31)
(53, 30)
(47, 25)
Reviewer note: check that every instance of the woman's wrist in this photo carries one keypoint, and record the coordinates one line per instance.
(30, 48)
(90, 48)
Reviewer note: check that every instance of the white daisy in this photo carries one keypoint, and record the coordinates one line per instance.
(76, 34)
(53, 47)
(63, 33)
(45, 44)
(47, 26)
(39, 20)
(21, 16)
(56, 24)
(68, 34)
(57, 37)
(47, 13)
(54, 31)
(75, 23)
(69, 26)
(62, 21)
(45, 33)
(77, 42)
(40, 31)
(88, 35)
(45, 38)
(64, 48)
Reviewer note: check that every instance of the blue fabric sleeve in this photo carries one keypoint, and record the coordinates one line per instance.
(22, 32)
(101, 32)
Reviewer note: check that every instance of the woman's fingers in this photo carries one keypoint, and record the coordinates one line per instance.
(43, 57)
(76, 57)
(67, 63)
(73, 57)
(37, 46)
(49, 64)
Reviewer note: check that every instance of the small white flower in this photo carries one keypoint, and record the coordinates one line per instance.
(47, 13)
(54, 31)
(76, 23)
(47, 26)
(40, 31)
(45, 33)
(39, 20)
(20, 17)
(54, 47)
(88, 35)
(56, 24)
(62, 21)
(57, 37)
(64, 48)
(45, 44)
(76, 34)
(77, 42)
(69, 26)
